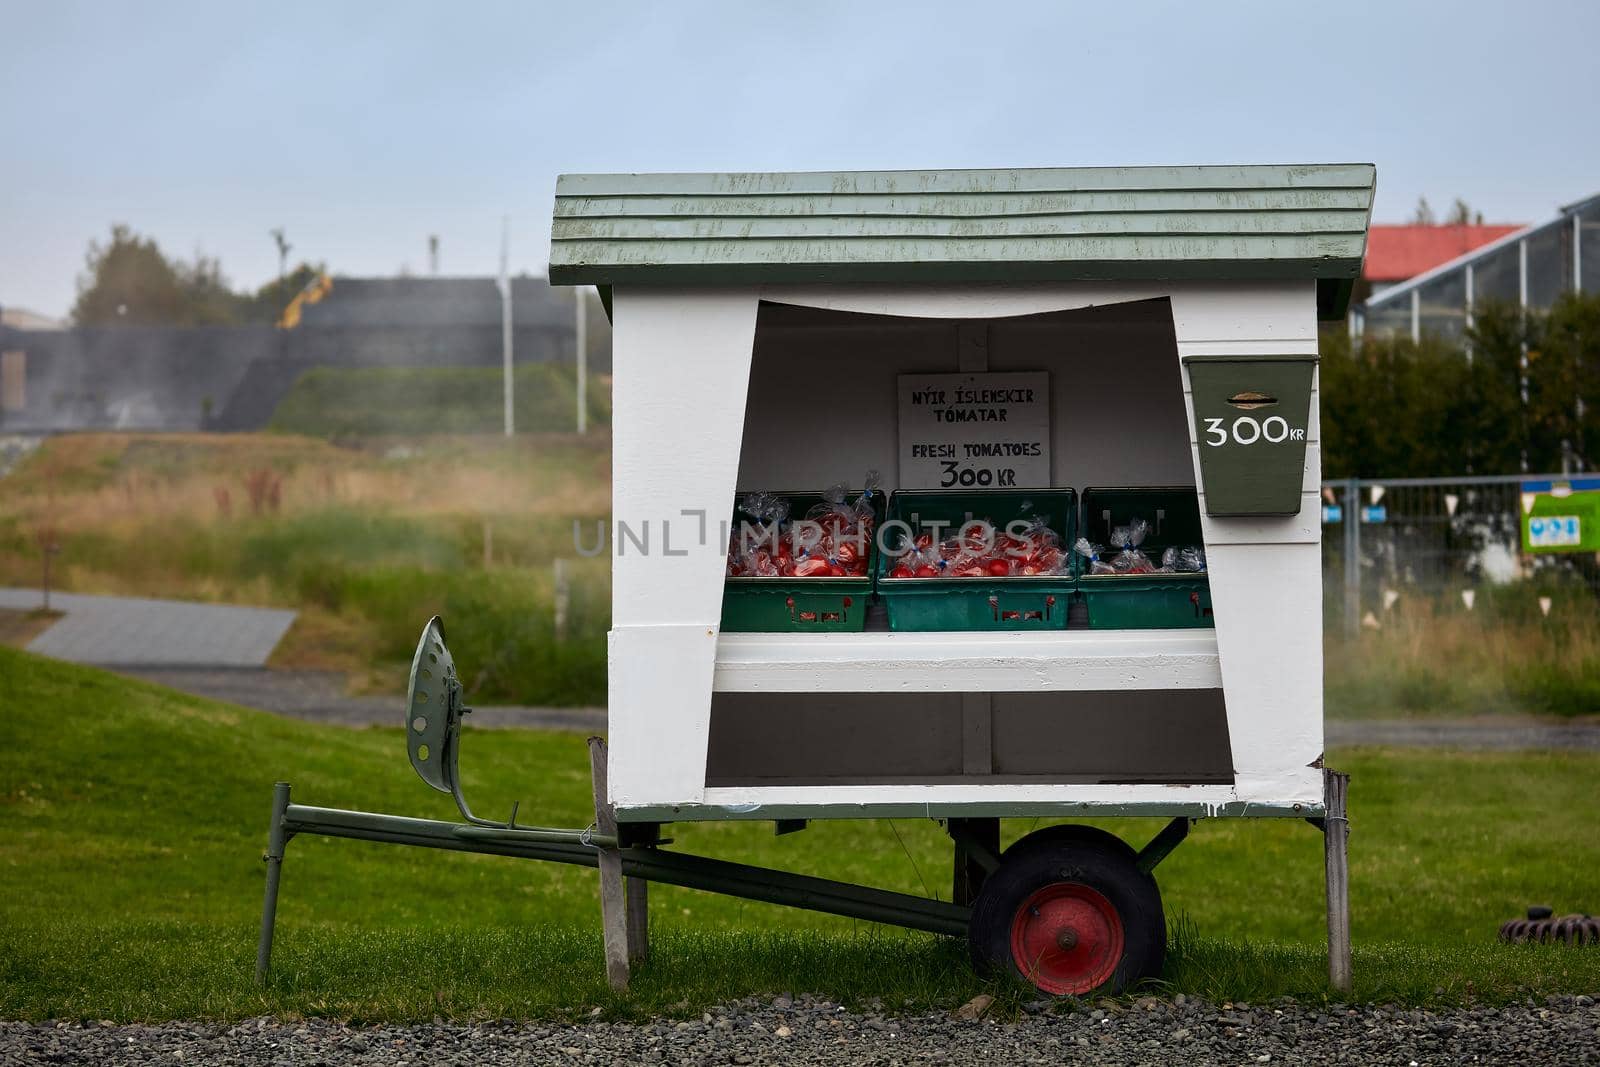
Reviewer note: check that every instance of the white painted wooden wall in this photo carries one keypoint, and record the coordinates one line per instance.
(682, 369)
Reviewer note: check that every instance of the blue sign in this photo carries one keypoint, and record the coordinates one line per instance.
(1375, 513)
(1332, 513)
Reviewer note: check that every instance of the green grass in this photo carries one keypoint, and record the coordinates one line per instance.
(373, 401)
(130, 879)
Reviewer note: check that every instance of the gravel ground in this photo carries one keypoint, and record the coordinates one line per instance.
(805, 1031)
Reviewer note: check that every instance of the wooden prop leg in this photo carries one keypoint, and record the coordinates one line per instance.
(613, 908)
(1335, 841)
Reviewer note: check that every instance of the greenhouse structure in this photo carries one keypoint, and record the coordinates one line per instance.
(1529, 268)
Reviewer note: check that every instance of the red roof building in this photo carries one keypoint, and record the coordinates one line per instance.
(1395, 253)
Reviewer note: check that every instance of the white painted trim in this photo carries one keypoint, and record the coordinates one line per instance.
(1065, 798)
(1041, 661)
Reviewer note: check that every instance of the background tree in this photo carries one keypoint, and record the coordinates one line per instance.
(1461, 214)
(207, 298)
(1394, 408)
(128, 282)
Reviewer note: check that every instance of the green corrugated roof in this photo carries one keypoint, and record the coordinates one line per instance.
(1061, 224)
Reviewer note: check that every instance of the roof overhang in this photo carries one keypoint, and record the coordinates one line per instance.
(979, 226)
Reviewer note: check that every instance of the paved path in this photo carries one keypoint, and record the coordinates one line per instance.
(129, 631)
(319, 696)
(1505, 734)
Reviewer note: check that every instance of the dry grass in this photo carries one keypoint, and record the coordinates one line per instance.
(1433, 656)
(113, 482)
(365, 541)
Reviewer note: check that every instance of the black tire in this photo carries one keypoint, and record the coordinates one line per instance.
(1098, 895)
(1071, 835)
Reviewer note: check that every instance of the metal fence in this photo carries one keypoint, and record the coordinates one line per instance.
(1436, 537)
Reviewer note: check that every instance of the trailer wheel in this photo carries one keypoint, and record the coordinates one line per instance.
(1071, 835)
(1071, 915)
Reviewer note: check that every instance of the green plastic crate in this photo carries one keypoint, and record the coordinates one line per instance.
(799, 605)
(1143, 601)
(1039, 602)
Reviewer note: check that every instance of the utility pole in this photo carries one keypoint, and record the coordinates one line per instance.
(581, 337)
(283, 294)
(433, 254)
(505, 320)
(283, 266)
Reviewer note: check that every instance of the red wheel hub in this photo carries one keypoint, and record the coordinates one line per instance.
(1066, 938)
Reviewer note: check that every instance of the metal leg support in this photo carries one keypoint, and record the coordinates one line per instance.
(277, 840)
(1335, 841)
(613, 904)
(977, 846)
(637, 893)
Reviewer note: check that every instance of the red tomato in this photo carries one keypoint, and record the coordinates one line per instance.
(811, 568)
(902, 571)
(924, 542)
(999, 568)
(847, 554)
(1029, 568)
(926, 572)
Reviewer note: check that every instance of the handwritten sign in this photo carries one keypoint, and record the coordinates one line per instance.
(975, 431)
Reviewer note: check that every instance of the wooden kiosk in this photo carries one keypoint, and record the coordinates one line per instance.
(766, 327)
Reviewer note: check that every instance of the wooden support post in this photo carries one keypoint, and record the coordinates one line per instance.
(613, 909)
(969, 874)
(1336, 836)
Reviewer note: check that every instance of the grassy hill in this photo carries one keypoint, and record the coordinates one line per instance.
(377, 401)
(130, 878)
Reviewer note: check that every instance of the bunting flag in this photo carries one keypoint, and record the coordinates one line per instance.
(1468, 596)
(1450, 503)
(1544, 605)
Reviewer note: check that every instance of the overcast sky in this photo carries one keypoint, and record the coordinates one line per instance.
(363, 127)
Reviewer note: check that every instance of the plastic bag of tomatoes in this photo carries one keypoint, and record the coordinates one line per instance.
(980, 549)
(832, 540)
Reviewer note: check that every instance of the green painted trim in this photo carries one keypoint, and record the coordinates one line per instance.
(1333, 297)
(965, 272)
(1020, 180)
(980, 205)
(839, 226)
(967, 226)
(1255, 357)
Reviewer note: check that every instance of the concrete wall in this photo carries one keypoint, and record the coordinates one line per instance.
(232, 377)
